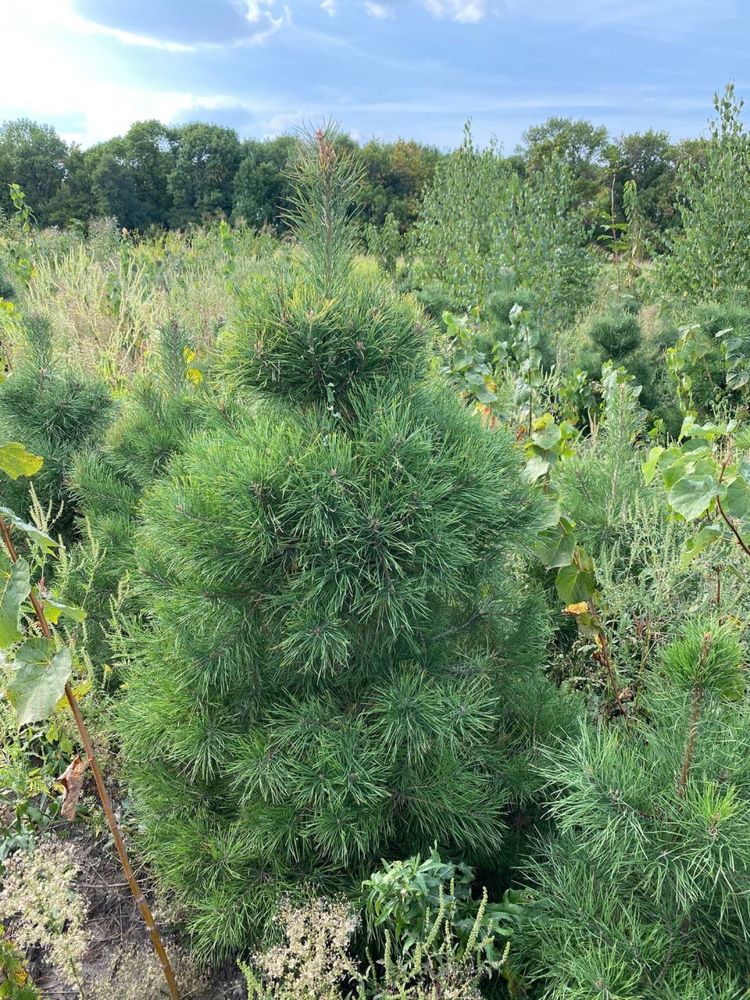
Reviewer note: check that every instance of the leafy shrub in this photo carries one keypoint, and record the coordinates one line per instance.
(708, 258)
(334, 603)
(405, 899)
(479, 220)
(709, 362)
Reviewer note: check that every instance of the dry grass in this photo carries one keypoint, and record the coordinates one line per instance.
(108, 295)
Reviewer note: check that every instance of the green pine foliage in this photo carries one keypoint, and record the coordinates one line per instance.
(616, 333)
(164, 407)
(55, 412)
(644, 894)
(338, 614)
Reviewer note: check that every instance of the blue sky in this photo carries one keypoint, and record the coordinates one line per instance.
(383, 68)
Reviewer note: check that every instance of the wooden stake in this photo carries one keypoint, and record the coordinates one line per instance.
(101, 788)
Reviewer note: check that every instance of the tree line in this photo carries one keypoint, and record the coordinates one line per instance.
(160, 176)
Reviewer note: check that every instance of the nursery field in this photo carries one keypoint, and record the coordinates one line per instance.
(391, 575)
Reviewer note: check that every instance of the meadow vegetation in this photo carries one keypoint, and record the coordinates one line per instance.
(387, 512)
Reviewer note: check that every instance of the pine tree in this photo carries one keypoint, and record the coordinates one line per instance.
(55, 412)
(337, 612)
(645, 892)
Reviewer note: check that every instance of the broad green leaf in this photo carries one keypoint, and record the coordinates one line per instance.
(689, 467)
(577, 582)
(38, 680)
(708, 534)
(536, 467)
(551, 516)
(484, 394)
(649, 466)
(15, 461)
(55, 610)
(737, 500)
(708, 431)
(15, 584)
(555, 546)
(692, 497)
(546, 432)
(33, 533)
(737, 379)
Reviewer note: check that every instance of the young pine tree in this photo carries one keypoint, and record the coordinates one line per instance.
(54, 412)
(335, 605)
(645, 892)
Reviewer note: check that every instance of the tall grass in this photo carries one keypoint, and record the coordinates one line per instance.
(107, 295)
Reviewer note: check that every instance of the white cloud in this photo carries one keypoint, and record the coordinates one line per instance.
(64, 16)
(93, 89)
(464, 11)
(272, 25)
(257, 10)
(378, 10)
(329, 6)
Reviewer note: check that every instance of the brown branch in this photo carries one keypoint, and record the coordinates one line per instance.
(730, 524)
(101, 788)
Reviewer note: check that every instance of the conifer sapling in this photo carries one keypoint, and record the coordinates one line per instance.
(335, 602)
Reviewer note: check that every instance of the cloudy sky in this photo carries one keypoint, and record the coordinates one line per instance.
(383, 68)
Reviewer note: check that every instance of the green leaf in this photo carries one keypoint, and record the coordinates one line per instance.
(54, 610)
(15, 584)
(38, 680)
(485, 395)
(692, 497)
(708, 534)
(33, 533)
(555, 546)
(551, 517)
(577, 582)
(536, 467)
(649, 466)
(687, 466)
(15, 461)
(546, 432)
(737, 500)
